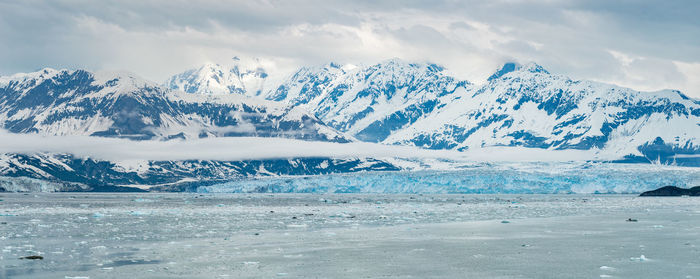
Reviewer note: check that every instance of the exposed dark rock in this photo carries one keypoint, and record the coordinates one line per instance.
(672, 191)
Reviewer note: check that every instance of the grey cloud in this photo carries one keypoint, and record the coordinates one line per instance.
(162, 37)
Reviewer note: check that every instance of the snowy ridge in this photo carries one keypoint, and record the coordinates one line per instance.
(214, 79)
(531, 107)
(396, 102)
(123, 105)
(368, 102)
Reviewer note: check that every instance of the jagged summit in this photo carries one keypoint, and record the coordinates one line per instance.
(242, 77)
(506, 68)
(533, 67)
(510, 67)
(351, 99)
(109, 104)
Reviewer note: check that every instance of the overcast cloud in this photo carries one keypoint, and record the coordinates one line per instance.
(645, 45)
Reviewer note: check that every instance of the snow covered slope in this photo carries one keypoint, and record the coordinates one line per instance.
(65, 102)
(528, 106)
(396, 102)
(369, 102)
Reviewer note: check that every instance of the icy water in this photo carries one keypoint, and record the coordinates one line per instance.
(348, 236)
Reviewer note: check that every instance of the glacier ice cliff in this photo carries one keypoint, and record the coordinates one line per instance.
(530, 178)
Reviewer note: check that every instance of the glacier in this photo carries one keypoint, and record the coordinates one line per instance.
(26, 184)
(514, 178)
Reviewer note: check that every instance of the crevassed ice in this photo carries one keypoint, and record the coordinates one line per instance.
(534, 178)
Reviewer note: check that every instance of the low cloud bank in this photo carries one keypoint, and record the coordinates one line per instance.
(252, 148)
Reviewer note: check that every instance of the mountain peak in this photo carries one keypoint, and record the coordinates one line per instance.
(335, 65)
(243, 77)
(514, 66)
(123, 81)
(534, 68)
(506, 68)
(399, 65)
(39, 74)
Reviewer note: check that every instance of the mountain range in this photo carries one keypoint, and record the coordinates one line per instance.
(393, 102)
(419, 104)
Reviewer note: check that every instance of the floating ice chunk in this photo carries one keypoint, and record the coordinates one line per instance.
(297, 226)
(293, 256)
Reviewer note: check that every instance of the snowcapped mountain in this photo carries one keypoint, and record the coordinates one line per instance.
(121, 105)
(528, 106)
(368, 102)
(404, 103)
(64, 102)
(397, 102)
(392, 102)
(243, 77)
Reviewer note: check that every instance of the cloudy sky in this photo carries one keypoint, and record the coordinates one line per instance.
(646, 45)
